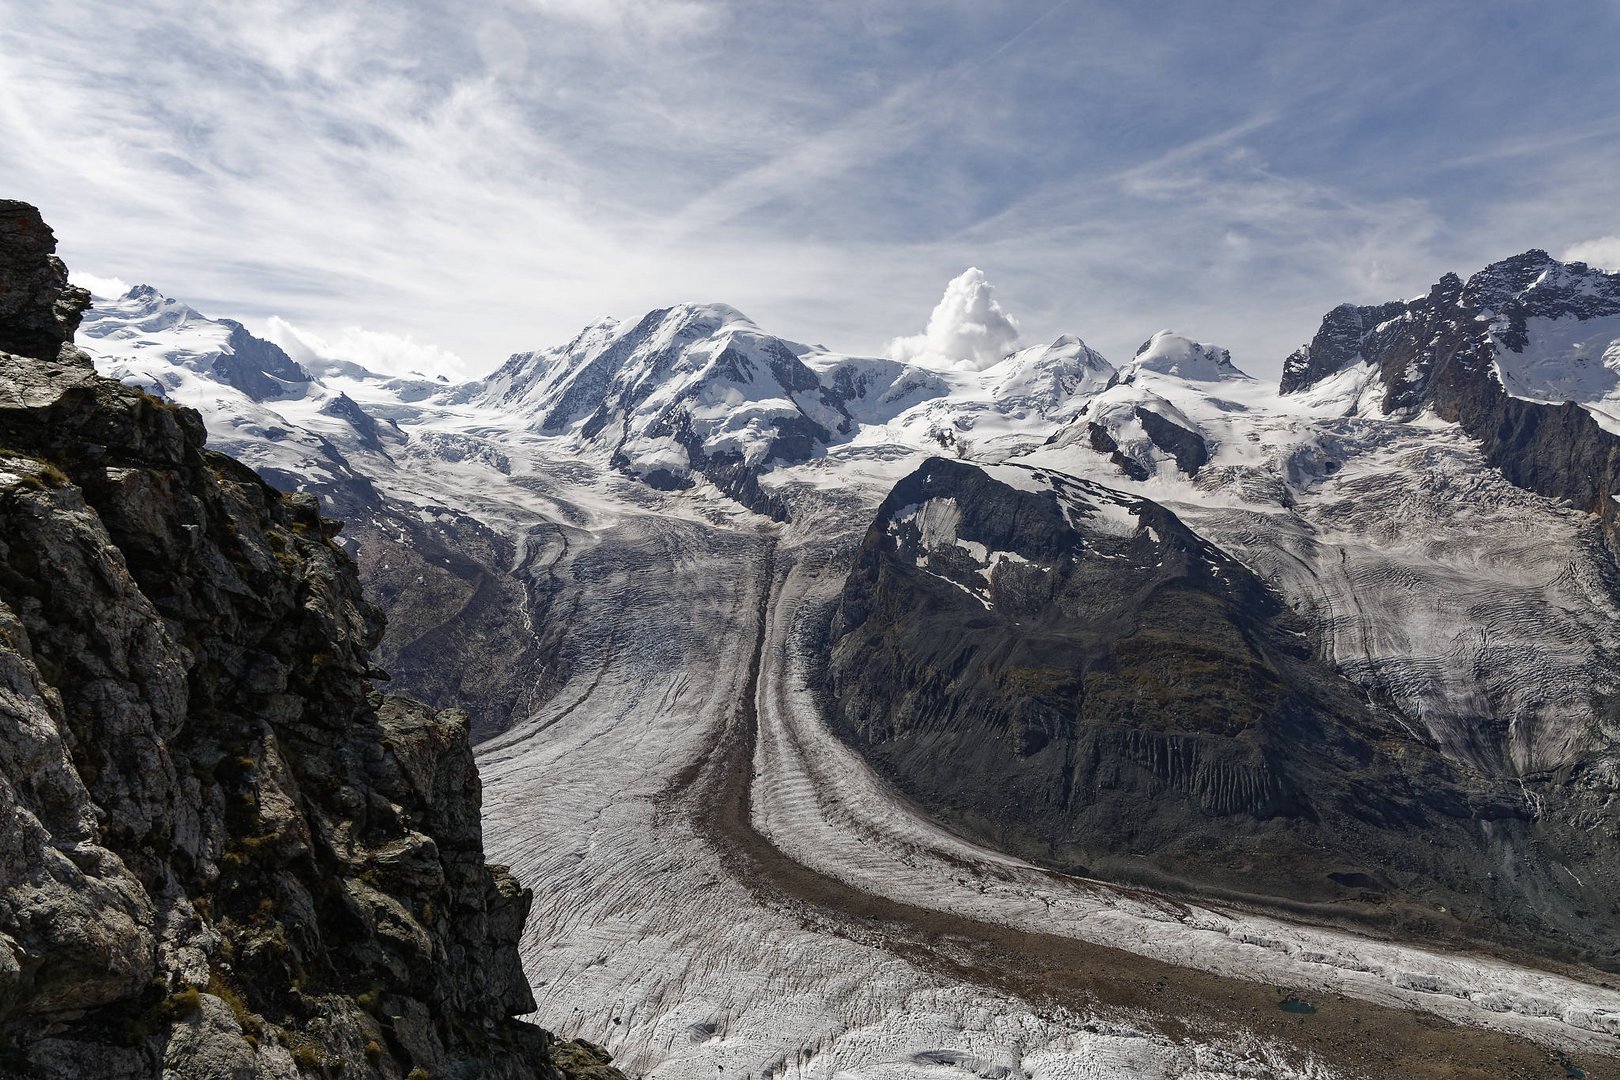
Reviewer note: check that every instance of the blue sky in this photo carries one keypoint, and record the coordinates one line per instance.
(450, 183)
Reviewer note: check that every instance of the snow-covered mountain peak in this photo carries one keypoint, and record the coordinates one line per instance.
(1169, 353)
(685, 323)
(601, 353)
(1054, 380)
(145, 294)
(1064, 348)
(149, 338)
(602, 330)
(718, 317)
(689, 391)
(143, 309)
(260, 405)
(1535, 284)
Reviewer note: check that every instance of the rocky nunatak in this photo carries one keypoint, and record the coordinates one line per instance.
(1070, 673)
(222, 852)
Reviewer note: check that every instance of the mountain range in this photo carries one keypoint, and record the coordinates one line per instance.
(1341, 650)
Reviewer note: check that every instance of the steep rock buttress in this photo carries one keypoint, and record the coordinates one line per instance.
(222, 852)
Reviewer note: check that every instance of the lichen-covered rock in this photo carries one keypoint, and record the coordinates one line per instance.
(222, 852)
(584, 1060)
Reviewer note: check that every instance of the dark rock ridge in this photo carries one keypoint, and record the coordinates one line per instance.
(369, 431)
(1071, 674)
(1104, 443)
(1187, 448)
(258, 368)
(1440, 351)
(39, 310)
(222, 854)
(455, 588)
(1338, 344)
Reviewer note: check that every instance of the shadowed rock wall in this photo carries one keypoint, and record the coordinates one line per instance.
(222, 852)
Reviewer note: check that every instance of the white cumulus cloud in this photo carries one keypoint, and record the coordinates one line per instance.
(968, 329)
(107, 288)
(1604, 252)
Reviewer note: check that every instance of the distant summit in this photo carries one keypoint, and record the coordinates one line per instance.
(1168, 353)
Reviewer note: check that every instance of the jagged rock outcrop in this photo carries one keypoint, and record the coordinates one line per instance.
(1337, 344)
(1102, 442)
(222, 852)
(453, 587)
(39, 310)
(1070, 673)
(1186, 447)
(1450, 349)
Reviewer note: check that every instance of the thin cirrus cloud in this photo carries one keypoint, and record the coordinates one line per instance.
(469, 180)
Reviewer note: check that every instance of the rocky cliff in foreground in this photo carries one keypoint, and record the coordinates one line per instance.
(222, 852)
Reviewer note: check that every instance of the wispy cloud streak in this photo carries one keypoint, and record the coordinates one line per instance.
(488, 177)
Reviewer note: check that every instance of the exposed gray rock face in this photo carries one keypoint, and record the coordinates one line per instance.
(1442, 351)
(371, 433)
(39, 310)
(1188, 448)
(455, 588)
(1070, 673)
(258, 368)
(1337, 345)
(1104, 443)
(222, 854)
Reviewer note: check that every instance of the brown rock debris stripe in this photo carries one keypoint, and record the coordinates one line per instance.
(1358, 1038)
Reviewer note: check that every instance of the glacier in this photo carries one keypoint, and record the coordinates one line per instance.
(731, 887)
